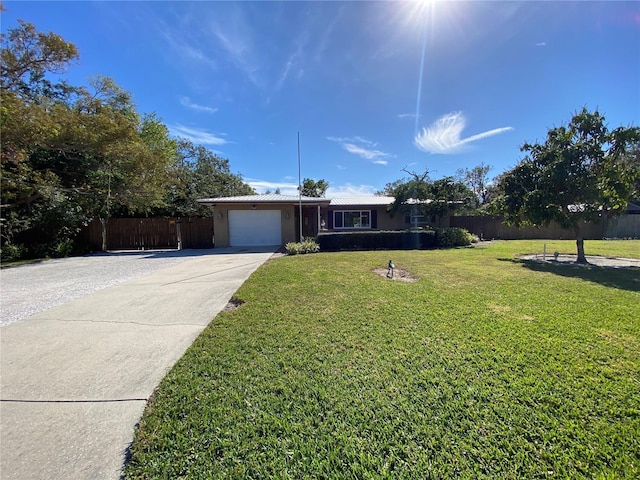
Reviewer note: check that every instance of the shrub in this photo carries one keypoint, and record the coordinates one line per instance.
(293, 248)
(307, 245)
(63, 248)
(379, 240)
(10, 252)
(394, 240)
(452, 237)
(55, 249)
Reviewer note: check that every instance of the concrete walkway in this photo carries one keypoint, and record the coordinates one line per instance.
(75, 378)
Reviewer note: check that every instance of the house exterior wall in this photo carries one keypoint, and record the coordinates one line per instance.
(384, 219)
(289, 224)
(290, 218)
(221, 221)
(388, 221)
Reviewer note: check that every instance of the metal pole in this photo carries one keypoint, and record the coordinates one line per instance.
(299, 186)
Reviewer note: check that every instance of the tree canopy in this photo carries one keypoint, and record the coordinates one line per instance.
(312, 188)
(71, 154)
(477, 179)
(199, 173)
(581, 172)
(423, 198)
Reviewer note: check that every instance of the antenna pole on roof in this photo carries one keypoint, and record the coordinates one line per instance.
(299, 187)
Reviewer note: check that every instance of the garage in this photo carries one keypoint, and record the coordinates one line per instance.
(250, 228)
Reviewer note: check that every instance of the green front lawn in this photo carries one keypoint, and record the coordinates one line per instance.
(487, 367)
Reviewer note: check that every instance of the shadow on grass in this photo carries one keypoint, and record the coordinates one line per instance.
(627, 278)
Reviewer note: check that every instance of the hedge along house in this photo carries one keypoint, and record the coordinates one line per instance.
(261, 220)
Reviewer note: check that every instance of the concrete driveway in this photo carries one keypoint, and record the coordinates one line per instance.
(75, 378)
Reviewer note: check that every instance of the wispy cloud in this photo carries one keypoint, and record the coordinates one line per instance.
(409, 115)
(240, 51)
(293, 60)
(186, 102)
(197, 135)
(541, 44)
(363, 148)
(443, 135)
(186, 46)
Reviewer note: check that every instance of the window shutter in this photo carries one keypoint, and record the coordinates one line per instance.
(330, 219)
(374, 218)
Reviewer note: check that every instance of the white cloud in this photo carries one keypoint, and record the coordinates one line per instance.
(443, 135)
(186, 102)
(261, 186)
(363, 148)
(291, 188)
(349, 190)
(197, 135)
(541, 44)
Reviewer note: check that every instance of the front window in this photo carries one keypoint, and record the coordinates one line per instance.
(352, 219)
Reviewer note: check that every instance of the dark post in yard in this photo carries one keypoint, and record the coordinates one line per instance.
(390, 271)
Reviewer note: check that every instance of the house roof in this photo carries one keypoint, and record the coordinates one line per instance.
(269, 198)
(370, 200)
(362, 200)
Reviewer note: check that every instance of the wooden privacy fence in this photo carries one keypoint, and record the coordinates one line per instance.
(150, 233)
(493, 227)
(624, 226)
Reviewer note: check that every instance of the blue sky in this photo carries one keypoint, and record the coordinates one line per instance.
(372, 87)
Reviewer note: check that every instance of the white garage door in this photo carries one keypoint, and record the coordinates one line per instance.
(254, 227)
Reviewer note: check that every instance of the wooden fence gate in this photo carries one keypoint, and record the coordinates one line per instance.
(150, 233)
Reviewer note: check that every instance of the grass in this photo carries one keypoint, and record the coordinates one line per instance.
(487, 367)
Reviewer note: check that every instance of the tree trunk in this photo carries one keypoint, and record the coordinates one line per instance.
(103, 224)
(580, 245)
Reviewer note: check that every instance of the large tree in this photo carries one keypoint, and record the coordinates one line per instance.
(477, 179)
(71, 154)
(29, 57)
(200, 173)
(419, 196)
(68, 161)
(580, 173)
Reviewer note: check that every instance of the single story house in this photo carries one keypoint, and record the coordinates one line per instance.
(254, 220)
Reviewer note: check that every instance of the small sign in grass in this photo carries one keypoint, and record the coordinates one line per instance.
(488, 367)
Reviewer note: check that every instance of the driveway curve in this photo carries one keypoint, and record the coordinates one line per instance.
(76, 376)
(36, 287)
